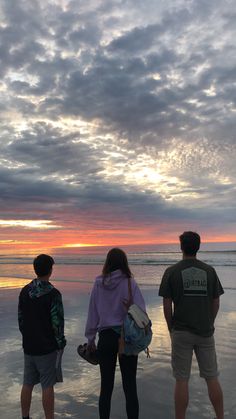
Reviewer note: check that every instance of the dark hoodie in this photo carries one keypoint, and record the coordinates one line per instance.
(41, 318)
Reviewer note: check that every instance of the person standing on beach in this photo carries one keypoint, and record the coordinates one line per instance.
(41, 322)
(191, 291)
(108, 306)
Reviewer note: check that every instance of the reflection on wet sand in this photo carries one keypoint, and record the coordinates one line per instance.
(6, 283)
(77, 396)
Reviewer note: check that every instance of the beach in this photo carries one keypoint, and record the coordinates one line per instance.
(77, 396)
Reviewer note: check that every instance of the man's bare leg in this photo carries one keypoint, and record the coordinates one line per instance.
(216, 397)
(181, 398)
(25, 398)
(48, 402)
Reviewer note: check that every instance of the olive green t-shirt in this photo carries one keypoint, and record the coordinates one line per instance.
(192, 285)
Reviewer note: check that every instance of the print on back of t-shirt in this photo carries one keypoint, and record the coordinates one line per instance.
(194, 282)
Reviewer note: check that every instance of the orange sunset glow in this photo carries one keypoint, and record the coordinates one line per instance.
(43, 237)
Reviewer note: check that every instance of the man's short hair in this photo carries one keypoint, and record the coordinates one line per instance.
(43, 265)
(190, 243)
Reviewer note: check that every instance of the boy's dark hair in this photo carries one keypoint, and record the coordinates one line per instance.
(190, 243)
(43, 265)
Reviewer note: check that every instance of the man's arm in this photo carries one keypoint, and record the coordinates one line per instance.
(168, 311)
(215, 306)
(20, 314)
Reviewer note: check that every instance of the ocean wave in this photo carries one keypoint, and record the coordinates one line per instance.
(142, 284)
(140, 262)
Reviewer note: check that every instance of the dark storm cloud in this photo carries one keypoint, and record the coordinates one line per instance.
(47, 152)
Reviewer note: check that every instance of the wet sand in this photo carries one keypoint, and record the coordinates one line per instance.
(77, 396)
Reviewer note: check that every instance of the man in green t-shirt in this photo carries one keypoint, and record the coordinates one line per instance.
(191, 291)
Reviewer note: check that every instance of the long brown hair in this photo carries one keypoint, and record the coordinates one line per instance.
(116, 259)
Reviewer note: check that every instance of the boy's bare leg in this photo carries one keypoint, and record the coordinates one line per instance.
(216, 397)
(26, 396)
(48, 402)
(181, 398)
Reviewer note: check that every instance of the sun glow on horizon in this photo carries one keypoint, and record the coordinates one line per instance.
(79, 245)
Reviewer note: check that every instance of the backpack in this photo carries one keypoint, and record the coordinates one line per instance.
(137, 331)
(136, 334)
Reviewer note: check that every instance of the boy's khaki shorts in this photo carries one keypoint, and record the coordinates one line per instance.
(184, 344)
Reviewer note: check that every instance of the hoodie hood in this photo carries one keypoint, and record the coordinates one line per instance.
(38, 288)
(112, 280)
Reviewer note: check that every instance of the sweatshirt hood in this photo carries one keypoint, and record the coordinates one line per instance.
(38, 288)
(112, 280)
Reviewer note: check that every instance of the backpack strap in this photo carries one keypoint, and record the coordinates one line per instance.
(147, 352)
(130, 291)
(122, 337)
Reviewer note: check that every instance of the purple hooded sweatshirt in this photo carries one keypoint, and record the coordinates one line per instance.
(106, 308)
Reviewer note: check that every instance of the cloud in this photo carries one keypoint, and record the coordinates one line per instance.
(118, 110)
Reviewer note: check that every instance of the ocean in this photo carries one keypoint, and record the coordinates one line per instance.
(146, 262)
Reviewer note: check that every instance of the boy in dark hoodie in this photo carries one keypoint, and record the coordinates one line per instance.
(41, 322)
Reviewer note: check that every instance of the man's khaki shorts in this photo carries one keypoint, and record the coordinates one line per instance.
(184, 344)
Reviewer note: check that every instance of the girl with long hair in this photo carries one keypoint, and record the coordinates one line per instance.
(109, 302)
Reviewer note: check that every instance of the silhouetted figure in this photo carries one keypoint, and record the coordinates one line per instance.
(41, 322)
(191, 291)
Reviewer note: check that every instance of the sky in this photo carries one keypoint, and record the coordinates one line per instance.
(117, 122)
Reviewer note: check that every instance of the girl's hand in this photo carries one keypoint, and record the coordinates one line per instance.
(91, 347)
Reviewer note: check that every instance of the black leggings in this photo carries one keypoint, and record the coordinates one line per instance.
(107, 351)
